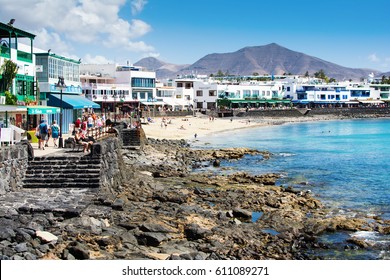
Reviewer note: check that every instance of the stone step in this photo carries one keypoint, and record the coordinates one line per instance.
(49, 180)
(62, 185)
(73, 176)
(64, 162)
(64, 167)
(62, 170)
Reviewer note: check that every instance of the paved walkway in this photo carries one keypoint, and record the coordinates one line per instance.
(48, 150)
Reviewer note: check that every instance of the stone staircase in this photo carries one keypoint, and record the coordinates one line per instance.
(131, 137)
(63, 172)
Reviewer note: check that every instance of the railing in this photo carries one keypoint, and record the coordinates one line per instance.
(23, 56)
(5, 52)
(100, 132)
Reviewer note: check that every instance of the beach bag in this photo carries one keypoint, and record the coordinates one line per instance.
(38, 135)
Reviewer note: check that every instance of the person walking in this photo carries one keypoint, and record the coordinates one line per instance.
(43, 131)
(55, 131)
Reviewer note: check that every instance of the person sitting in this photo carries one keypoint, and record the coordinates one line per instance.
(80, 138)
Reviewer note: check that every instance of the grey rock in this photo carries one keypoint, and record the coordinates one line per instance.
(154, 228)
(7, 233)
(21, 247)
(194, 232)
(79, 251)
(241, 213)
(151, 238)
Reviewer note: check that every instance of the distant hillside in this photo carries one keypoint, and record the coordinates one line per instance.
(268, 59)
(272, 59)
(162, 69)
(387, 74)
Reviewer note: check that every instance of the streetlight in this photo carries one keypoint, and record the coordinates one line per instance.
(104, 105)
(61, 85)
(193, 107)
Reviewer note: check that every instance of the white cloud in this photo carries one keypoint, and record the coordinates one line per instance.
(137, 6)
(73, 25)
(89, 59)
(373, 58)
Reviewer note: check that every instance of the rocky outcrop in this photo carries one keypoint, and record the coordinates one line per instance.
(176, 215)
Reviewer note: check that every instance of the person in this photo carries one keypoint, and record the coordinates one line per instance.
(48, 136)
(43, 131)
(55, 130)
(84, 125)
(80, 138)
(90, 121)
(77, 123)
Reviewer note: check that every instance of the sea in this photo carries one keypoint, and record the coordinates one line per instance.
(343, 163)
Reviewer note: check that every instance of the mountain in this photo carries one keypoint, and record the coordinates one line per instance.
(271, 59)
(162, 69)
(387, 74)
(268, 59)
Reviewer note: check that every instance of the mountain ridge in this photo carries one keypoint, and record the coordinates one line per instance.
(267, 59)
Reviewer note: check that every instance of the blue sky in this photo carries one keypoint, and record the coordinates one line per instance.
(349, 33)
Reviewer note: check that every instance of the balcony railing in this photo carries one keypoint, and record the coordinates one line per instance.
(23, 56)
(5, 52)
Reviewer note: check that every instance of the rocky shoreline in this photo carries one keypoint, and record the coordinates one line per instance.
(167, 211)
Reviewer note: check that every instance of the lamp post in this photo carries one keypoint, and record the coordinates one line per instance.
(60, 84)
(104, 105)
(193, 107)
(115, 97)
(122, 97)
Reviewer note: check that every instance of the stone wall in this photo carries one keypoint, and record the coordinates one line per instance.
(112, 173)
(13, 166)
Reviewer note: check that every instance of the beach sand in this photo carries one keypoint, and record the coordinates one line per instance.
(186, 127)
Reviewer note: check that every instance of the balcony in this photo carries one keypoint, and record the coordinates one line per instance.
(23, 56)
(5, 52)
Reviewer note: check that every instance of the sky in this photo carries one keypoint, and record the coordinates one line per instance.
(351, 33)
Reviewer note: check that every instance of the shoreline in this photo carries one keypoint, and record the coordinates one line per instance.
(186, 127)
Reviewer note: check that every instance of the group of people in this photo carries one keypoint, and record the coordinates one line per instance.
(89, 121)
(44, 132)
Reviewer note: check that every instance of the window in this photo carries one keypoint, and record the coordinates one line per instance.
(212, 93)
(143, 82)
(180, 85)
(199, 93)
(247, 93)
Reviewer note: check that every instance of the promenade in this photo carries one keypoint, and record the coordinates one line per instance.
(48, 150)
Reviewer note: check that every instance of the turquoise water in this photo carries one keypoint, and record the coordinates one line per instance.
(345, 164)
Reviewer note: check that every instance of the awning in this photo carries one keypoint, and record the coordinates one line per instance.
(371, 101)
(71, 101)
(42, 110)
(150, 103)
(12, 108)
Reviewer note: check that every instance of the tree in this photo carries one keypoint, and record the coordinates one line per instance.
(220, 74)
(8, 71)
(307, 74)
(321, 75)
(10, 99)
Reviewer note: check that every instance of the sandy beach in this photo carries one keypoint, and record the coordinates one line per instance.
(201, 125)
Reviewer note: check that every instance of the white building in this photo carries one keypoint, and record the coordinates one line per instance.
(119, 89)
